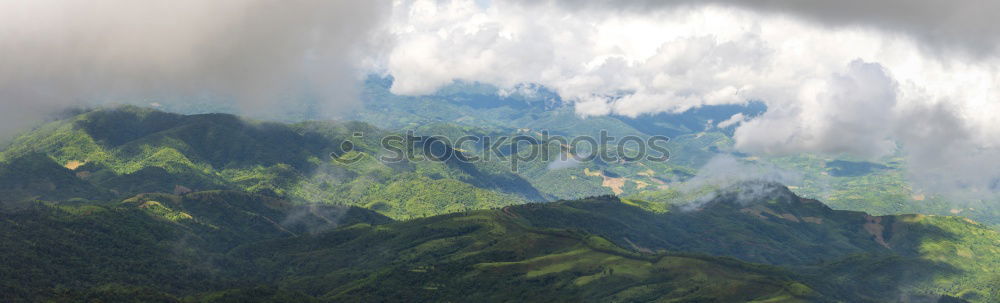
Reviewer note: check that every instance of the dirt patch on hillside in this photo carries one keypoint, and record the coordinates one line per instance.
(873, 225)
(660, 183)
(754, 212)
(790, 217)
(74, 164)
(640, 184)
(615, 184)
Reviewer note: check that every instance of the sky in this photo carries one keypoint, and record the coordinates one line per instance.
(852, 77)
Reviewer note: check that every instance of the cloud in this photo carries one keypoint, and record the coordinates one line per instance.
(724, 171)
(749, 182)
(850, 77)
(846, 113)
(734, 120)
(963, 26)
(565, 161)
(580, 59)
(58, 53)
(858, 87)
(948, 155)
(315, 218)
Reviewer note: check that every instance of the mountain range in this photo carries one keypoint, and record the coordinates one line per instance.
(136, 204)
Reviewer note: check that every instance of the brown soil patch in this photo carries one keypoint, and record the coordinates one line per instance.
(661, 184)
(755, 212)
(640, 184)
(790, 217)
(615, 184)
(873, 225)
(73, 164)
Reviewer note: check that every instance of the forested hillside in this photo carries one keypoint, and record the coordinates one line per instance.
(117, 153)
(132, 204)
(223, 246)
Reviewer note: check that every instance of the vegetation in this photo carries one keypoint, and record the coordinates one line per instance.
(132, 204)
(221, 246)
(87, 157)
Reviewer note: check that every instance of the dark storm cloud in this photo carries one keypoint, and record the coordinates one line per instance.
(58, 53)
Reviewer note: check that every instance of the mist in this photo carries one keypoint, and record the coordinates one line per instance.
(60, 53)
(748, 182)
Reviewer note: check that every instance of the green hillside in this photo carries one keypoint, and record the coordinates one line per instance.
(465, 108)
(221, 246)
(496, 256)
(132, 204)
(117, 153)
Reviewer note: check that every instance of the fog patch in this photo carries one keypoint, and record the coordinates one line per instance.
(565, 161)
(745, 182)
(315, 218)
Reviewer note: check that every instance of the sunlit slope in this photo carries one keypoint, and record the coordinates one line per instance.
(125, 151)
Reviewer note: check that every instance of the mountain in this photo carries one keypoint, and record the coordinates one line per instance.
(167, 242)
(36, 176)
(750, 242)
(121, 152)
(842, 181)
(137, 204)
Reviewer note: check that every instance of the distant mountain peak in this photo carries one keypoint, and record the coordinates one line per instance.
(758, 191)
(752, 195)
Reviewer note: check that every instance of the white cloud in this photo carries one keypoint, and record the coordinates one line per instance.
(845, 113)
(733, 120)
(845, 89)
(563, 162)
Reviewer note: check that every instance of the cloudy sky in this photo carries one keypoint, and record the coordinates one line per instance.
(850, 77)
